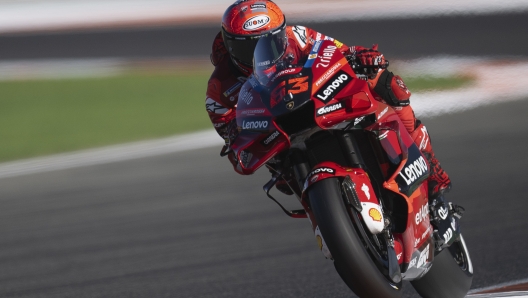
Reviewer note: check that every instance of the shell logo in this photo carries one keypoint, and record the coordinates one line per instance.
(256, 22)
(375, 214)
(319, 242)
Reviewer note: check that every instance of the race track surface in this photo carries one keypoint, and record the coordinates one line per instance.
(185, 225)
(477, 35)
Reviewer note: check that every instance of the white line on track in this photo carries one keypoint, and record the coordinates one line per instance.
(109, 154)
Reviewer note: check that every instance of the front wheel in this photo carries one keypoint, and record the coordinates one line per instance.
(451, 274)
(352, 260)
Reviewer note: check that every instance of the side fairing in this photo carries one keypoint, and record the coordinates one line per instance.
(336, 91)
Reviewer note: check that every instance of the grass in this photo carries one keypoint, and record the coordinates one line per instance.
(429, 83)
(41, 117)
(51, 116)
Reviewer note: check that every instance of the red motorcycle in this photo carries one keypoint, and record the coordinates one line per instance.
(356, 171)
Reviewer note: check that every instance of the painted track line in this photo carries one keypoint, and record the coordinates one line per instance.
(203, 139)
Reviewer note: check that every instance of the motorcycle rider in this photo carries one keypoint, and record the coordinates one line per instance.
(245, 21)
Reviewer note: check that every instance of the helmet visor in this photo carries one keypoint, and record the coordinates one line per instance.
(242, 47)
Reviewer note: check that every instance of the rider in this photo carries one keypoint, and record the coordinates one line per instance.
(245, 21)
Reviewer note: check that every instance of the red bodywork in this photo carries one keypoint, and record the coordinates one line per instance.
(339, 98)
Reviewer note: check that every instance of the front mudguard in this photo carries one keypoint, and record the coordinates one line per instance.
(361, 195)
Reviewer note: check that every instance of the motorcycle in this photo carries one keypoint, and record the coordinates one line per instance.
(361, 180)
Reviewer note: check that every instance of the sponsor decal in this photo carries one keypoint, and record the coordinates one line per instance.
(328, 109)
(314, 178)
(412, 263)
(245, 157)
(218, 125)
(264, 63)
(253, 112)
(312, 56)
(366, 190)
(319, 242)
(322, 170)
(333, 86)
(400, 83)
(254, 83)
(326, 56)
(375, 214)
(422, 214)
(256, 22)
(416, 242)
(443, 212)
(232, 89)
(399, 256)
(357, 120)
(300, 34)
(316, 46)
(258, 6)
(328, 74)
(329, 38)
(338, 43)
(271, 138)
(259, 125)
(448, 235)
(214, 107)
(424, 255)
(414, 171)
(290, 105)
(426, 233)
(245, 96)
(318, 36)
(284, 72)
(425, 138)
(383, 113)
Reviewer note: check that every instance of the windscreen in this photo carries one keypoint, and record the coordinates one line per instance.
(268, 52)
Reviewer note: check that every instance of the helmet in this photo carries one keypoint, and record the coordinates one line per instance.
(244, 23)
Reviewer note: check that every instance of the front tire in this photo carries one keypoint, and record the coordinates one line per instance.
(450, 276)
(351, 259)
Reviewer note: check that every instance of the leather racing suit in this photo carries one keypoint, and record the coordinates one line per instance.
(227, 78)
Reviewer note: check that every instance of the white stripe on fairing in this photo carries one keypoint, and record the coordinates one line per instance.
(494, 84)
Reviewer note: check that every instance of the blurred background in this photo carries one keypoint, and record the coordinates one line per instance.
(154, 216)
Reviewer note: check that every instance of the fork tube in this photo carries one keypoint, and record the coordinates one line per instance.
(300, 166)
(351, 150)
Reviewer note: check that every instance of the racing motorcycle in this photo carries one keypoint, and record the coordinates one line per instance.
(355, 169)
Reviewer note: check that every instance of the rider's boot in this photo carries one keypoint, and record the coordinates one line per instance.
(444, 215)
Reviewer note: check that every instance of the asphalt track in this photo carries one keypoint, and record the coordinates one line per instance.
(473, 35)
(185, 225)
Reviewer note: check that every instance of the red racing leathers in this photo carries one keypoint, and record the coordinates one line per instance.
(227, 78)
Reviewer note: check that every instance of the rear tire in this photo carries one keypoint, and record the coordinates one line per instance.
(450, 276)
(351, 259)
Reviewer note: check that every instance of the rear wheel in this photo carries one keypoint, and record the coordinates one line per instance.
(450, 276)
(358, 260)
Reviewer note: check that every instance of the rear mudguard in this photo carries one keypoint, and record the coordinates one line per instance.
(362, 190)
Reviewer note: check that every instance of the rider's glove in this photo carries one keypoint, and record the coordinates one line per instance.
(231, 133)
(372, 59)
